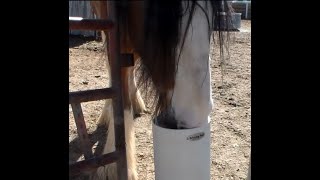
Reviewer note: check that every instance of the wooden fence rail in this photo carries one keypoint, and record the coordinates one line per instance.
(114, 92)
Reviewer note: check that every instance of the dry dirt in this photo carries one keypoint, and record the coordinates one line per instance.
(231, 116)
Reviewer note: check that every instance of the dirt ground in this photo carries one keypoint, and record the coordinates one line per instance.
(231, 116)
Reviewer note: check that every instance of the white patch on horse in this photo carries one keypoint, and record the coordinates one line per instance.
(191, 100)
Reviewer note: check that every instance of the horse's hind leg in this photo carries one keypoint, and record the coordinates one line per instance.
(109, 172)
(106, 114)
(129, 126)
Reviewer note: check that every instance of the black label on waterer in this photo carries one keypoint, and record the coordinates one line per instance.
(195, 137)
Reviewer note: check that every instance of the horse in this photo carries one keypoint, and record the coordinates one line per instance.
(170, 42)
